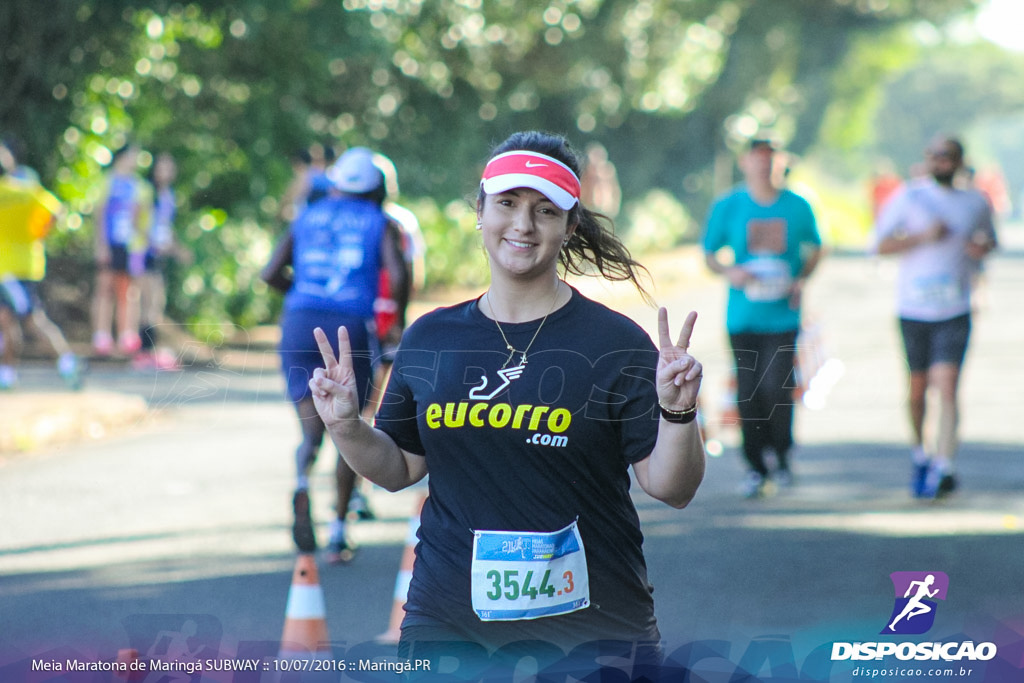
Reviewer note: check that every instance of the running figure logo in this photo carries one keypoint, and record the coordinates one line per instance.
(506, 375)
(914, 610)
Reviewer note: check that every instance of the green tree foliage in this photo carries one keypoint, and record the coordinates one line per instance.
(970, 83)
(233, 88)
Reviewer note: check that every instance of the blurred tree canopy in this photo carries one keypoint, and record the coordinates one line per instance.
(970, 83)
(232, 88)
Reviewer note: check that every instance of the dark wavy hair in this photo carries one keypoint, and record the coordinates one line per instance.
(594, 241)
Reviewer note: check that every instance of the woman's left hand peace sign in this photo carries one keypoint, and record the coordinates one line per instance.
(679, 374)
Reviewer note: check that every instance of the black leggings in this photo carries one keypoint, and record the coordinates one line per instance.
(764, 394)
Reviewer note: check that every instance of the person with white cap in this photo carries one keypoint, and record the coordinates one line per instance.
(527, 406)
(335, 249)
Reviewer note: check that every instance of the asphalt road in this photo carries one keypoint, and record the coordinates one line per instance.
(179, 522)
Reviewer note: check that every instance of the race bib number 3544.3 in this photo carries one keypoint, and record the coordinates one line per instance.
(528, 575)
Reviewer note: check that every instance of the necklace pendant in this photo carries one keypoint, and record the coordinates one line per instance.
(511, 355)
(514, 373)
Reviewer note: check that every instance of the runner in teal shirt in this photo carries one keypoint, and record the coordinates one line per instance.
(772, 243)
(775, 246)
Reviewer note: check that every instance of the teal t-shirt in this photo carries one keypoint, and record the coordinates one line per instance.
(772, 242)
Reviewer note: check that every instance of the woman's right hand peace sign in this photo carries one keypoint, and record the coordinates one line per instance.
(334, 386)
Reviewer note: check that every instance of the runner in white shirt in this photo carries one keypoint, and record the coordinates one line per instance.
(941, 234)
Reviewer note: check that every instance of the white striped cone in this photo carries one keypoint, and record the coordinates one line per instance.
(403, 580)
(305, 622)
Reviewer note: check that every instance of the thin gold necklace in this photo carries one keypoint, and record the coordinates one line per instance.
(512, 351)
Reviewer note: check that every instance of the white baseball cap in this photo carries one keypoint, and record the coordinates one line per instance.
(355, 172)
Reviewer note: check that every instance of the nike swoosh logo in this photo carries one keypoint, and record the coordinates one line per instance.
(530, 164)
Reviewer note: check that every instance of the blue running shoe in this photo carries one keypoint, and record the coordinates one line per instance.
(930, 485)
(918, 478)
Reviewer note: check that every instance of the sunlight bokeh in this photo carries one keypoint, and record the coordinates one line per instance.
(1000, 22)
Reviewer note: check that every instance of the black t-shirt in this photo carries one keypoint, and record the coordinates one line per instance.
(534, 454)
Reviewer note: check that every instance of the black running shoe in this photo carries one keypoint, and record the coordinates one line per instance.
(302, 527)
(359, 507)
(947, 484)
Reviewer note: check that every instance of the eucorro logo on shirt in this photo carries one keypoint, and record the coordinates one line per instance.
(497, 416)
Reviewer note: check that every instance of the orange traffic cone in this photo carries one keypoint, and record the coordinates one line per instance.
(394, 632)
(305, 624)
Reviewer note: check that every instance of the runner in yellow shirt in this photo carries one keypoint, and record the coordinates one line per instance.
(27, 213)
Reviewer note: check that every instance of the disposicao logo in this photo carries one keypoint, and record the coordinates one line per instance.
(914, 610)
(913, 613)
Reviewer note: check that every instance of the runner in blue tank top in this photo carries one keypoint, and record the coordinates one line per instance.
(336, 249)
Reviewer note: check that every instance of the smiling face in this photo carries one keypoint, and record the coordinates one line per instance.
(523, 232)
